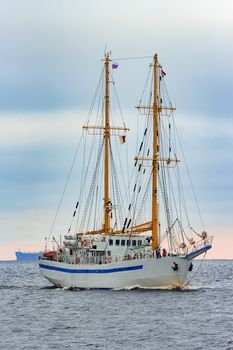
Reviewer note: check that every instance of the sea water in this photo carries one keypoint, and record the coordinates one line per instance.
(35, 315)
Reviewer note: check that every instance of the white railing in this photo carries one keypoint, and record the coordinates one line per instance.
(139, 255)
(198, 245)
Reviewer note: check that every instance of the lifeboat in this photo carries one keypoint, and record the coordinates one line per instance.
(50, 255)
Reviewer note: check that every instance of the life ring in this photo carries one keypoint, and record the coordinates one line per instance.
(77, 260)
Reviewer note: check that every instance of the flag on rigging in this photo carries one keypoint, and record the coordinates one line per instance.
(114, 65)
(122, 139)
(163, 73)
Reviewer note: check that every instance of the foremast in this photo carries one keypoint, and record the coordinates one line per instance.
(106, 130)
(107, 201)
(154, 214)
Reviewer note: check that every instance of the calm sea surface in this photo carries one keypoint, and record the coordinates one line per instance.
(35, 315)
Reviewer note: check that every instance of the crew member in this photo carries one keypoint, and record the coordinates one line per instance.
(164, 253)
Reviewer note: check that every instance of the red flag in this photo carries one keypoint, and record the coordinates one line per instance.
(122, 139)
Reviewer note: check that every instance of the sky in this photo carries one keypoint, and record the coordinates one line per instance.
(50, 59)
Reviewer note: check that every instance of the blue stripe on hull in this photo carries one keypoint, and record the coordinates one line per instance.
(118, 269)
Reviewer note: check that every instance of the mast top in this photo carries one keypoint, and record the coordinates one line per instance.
(107, 56)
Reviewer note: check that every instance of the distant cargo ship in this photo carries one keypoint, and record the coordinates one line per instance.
(27, 256)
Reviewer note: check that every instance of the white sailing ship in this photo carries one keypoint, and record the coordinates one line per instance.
(127, 236)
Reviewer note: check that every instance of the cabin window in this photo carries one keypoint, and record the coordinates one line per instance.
(71, 252)
(117, 242)
(94, 247)
(134, 242)
(123, 242)
(128, 242)
(139, 242)
(111, 242)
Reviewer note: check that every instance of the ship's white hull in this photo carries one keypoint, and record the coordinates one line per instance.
(142, 273)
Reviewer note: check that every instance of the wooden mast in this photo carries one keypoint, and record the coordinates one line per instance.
(106, 129)
(107, 202)
(155, 160)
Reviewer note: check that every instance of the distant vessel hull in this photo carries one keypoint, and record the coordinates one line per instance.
(27, 256)
(142, 273)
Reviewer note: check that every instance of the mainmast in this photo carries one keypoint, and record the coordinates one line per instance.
(107, 202)
(155, 160)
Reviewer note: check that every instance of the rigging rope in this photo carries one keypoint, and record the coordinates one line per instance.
(65, 186)
(90, 194)
(116, 187)
(187, 170)
(130, 58)
(200, 265)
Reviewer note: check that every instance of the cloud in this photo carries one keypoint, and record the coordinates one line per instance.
(36, 153)
(25, 129)
(207, 143)
(204, 126)
(51, 52)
